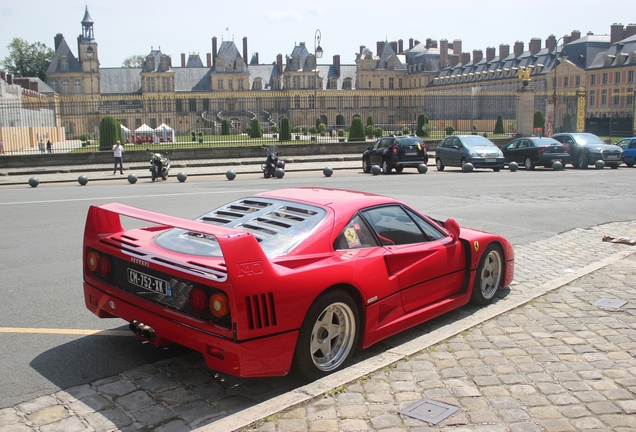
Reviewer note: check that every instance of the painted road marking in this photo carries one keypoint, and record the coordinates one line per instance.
(66, 331)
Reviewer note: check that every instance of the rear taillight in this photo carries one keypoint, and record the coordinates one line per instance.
(198, 299)
(103, 266)
(540, 150)
(219, 305)
(424, 148)
(566, 148)
(394, 149)
(92, 258)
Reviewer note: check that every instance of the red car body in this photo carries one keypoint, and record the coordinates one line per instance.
(262, 297)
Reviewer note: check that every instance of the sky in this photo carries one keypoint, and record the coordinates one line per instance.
(134, 27)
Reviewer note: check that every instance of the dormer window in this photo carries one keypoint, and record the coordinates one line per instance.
(295, 60)
(632, 57)
(390, 63)
(150, 63)
(220, 64)
(333, 83)
(64, 67)
(257, 84)
(310, 62)
(164, 63)
(240, 65)
(346, 84)
(609, 59)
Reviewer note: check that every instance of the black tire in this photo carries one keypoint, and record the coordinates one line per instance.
(527, 162)
(462, 162)
(399, 169)
(439, 164)
(582, 161)
(629, 164)
(489, 275)
(164, 176)
(153, 174)
(614, 166)
(386, 169)
(328, 335)
(496, 169)
(366, 166)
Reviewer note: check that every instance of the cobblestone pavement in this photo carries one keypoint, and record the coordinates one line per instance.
(543, 357)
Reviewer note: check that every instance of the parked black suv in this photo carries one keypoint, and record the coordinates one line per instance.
(395, 152)
(587, 148)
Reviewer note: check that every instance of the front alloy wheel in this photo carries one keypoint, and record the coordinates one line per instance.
(439, 164)
(366, 166)
(528, 163)
(489, 275)
(386, 168)
(583, 161)
(328, 335)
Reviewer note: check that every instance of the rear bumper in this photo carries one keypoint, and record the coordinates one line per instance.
(548, 159)
(267, 356)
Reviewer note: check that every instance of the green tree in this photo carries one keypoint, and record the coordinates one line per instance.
(539, 119)
(567, 123)
(449, 130)
(318, 123)
(135, 61)
(499, 127)
(377, 132)
(285, 129)
(322, 128)
(422, 126)
(370, 121)
(27, 60)
(356, 130)
(406, 131)
(369, 130)
(225, 127)
(257, 131)
(108, 133)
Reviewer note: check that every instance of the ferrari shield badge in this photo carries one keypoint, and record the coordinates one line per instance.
(352, 238)
(476, 246)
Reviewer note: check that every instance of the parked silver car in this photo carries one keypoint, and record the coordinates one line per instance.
(457, 150)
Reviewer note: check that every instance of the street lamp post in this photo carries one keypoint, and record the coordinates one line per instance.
(558, 57)
(90, 55)
(317, 54)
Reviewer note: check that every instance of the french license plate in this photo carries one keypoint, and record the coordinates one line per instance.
(613, 156)
(491, 160)
(148, 282)
(410, 153)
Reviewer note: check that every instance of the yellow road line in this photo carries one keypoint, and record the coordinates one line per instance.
(66, 331)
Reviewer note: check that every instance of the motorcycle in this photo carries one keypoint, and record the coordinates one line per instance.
(272, 162)
(159, 166)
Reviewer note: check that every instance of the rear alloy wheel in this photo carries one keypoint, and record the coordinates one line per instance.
(489, 276)
(366, 166)
(399, 169)
(528, 163)
(439, 164)
(328, 335)
(583, 161)
(386, 168)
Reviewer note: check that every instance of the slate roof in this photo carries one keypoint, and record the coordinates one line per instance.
(194, 61)
(302, 52)
(119, 80)
(621, 48)
(229, 53)
(583, 52)
(63, 50)
(192, 79)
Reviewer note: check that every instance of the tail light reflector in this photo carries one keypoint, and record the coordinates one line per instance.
(103, 266)
(198, 299)
(394, 149)
(540, 150)
(219, 305)
(566, 147)
(92, 258)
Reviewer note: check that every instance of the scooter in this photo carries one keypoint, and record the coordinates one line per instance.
(272, 162)
(159, 166)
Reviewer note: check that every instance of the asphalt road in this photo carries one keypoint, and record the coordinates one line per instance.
(41, 239)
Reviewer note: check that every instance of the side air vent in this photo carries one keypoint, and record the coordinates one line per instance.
(261, 312)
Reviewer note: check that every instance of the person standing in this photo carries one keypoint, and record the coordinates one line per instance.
(1, 147)
(41, 146)
(49, 144)
(118, 151)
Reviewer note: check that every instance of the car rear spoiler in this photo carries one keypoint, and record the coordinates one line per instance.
(241, 251)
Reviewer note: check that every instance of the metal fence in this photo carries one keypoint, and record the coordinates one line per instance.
(72, 123)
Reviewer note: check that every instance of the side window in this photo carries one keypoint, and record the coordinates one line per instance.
(632, 144)
(559, 139)
(393, 225)
(623, 143)
(431, 233)
(457, 143)
(512, 145)
(355, 235)
(377, 144)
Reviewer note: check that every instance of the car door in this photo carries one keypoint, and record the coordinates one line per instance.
(575, 149)
(375, 156)
(510, 151)
(427, 264)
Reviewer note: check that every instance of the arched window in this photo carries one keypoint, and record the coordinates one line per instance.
(78, 86)
(65, 86)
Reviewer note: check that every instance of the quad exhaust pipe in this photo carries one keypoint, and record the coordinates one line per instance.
(143, 330)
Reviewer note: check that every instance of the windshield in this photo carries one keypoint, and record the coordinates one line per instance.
(407, 142)
(588, 139)
(476, 141)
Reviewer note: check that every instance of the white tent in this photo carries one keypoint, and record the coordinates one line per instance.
(144, 129)
(165, 132)
(125, 132)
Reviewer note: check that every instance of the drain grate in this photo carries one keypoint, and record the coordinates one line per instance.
(610, 303)
(429, 411)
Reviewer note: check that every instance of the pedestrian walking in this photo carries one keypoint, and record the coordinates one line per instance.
(118, 151)
(49, 144)
(1, 147)
(41, 146)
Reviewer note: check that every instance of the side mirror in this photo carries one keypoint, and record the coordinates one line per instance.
(453, 228)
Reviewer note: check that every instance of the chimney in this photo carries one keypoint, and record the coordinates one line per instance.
(534, 45)
(453, 59)
(457, 46)
(183, 61)
(590, 33)
(550, 43)
(257, 61)
(411, 43)
(58, 40)
(518, 48)
(630, 30)
(79, 38)
(214, 51)
(379, 46)
(428, 43)
(208, 57)
(416, 42)
(245, 49)
(400, 46)
(279, 62)
(490, 53)
(478, 56)
(465, 58)
(504, 51)
(443, 53)
(394, 46)
(616, 33)
(362, 47)
(433, 43)
(576, 35)
(567, 40)
(336, 64)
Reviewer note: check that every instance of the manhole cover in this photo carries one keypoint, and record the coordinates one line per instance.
(610, 303)
(429, 411)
